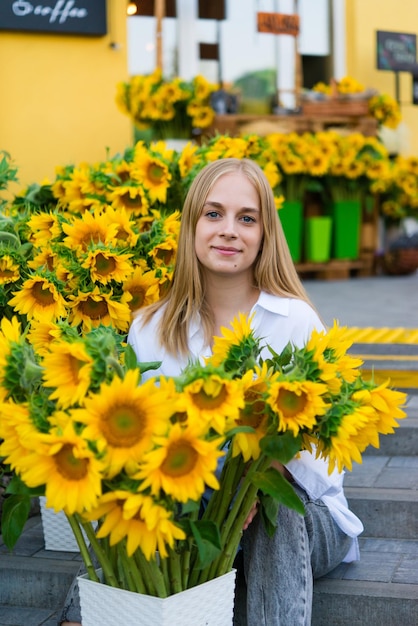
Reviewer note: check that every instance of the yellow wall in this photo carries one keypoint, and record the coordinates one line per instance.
(58, 97)
(364, 18)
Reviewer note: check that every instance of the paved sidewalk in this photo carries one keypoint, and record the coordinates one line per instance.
(378, 301)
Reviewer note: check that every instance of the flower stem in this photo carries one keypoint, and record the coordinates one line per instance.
(84, 551)
(175, 572)
(152, 573)
(105, 564)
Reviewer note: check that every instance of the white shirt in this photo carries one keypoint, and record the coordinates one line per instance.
(277, 321)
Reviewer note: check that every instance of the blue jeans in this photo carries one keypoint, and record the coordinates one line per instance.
(275, 587)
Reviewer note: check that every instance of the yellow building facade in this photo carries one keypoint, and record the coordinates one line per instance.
(58, 97)
(363, 19)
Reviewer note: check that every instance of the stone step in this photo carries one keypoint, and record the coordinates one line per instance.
(379, 590)
(27, 616)
(383, 492)
(32, 577)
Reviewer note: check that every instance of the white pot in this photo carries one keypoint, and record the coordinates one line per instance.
(209, 604)
(58, 534)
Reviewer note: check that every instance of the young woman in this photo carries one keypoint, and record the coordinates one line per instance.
(233, 258)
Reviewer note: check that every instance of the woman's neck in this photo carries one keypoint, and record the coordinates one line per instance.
(226, 299)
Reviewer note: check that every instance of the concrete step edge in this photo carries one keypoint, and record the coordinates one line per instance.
(383, 493)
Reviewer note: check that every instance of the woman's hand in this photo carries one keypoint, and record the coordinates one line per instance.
(251, 515)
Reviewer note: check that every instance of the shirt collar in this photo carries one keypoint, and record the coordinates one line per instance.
(274, 304)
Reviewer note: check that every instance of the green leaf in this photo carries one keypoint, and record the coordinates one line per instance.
(14, 517)
(18, 488)
(281, 447)
(208, 541)
(269, 510)
(272, 483)
(131, 361)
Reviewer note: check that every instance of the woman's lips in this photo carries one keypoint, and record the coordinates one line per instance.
(226, 251)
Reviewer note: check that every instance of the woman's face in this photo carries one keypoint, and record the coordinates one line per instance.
(229, 231)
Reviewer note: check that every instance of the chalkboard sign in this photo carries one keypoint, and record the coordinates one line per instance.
(396, 51)
(79, 17)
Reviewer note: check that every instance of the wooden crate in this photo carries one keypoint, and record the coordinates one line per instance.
(336, 107)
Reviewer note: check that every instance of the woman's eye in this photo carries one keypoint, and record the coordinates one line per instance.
(248, 219)
(212, 214)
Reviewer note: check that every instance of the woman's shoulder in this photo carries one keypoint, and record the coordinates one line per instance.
(143, 330)
(285, 304)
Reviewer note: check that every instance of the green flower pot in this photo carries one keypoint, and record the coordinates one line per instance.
(346, 217)
(318, 239)
(291, 218)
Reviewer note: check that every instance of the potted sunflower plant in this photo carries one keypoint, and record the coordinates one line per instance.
(168, 108)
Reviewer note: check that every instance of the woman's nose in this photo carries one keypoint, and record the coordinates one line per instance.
(228, 229)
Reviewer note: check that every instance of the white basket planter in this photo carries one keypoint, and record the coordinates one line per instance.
(209, 604)
(58, 534)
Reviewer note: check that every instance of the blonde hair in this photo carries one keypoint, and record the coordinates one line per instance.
(274, 270)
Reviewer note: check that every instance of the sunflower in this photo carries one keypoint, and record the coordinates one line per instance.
(39, 298)
(10, 333)
(17, 434)
(126, 235)
(234, 342)
(143, 287)
(9, 270)
(93, 308)
(387, 404)
(145, 524)
(188, 159)
(68, 469)
(272, 174)
(351, 438)
(46, 258)
(330, 354)
(212, 399)
(297, 404)
(123, 418)
(254, 414)
(106, 265)
(202, 115)
(131, 198)
(164, 253)
(181, 465)
(316, 163)
(68, 368)
(45, 227)
(90, 229)
(153, 173)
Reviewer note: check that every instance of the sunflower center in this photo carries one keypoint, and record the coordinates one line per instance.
(75, 366)
(7, 274)
(105, 265)
(129, 202)
(155, 173)
(205, 401)
(69, 466)
(123, 426)
(91, 237)
(93, 309)
(45, 297)
(291, 403)
(252, 414)
(164, 255)
(138, 298)
(180, 460)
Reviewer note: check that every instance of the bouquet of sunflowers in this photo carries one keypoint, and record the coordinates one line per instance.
(134, 464)
(171, 108)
